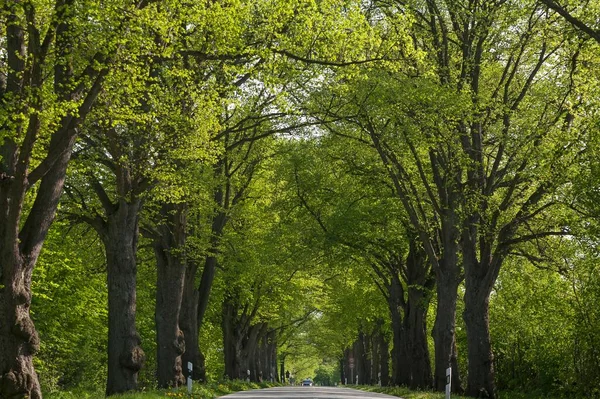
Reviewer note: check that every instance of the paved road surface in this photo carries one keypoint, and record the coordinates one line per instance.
(307, 393)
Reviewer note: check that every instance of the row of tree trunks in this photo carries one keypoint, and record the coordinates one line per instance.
(196, 300)
(250, 350)
(231, 344)
(400, 359)
(420, 283)
(380, 352)
(441, 248)
(407, 285)
(282, 372)
(367, 360)
(362, 359)
(267, 353)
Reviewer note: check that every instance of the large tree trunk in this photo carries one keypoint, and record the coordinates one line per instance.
(419, 284)
(444, 333)
(479, 281)
(249, 349)
(125, 356)
(268, 355)
(448, 279)
(188, 322)
(400, 358)
(415, 323)
(19, 340)
(197, 300)
(241, 337)
(376, 354)
(408, 286)
(480, 380)
(170, 256)
(231, 348)
(348, 371)
(361, 360)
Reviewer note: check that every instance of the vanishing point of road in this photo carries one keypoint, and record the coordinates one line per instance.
(307, 393)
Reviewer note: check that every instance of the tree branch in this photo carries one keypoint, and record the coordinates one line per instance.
(576, 22)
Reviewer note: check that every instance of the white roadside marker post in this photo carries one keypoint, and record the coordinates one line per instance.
(448, 381)
(189, 379)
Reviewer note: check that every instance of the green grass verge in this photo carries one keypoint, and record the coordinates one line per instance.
(200, 391)
(405, 393)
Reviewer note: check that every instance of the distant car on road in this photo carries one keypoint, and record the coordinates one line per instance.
(307, 383)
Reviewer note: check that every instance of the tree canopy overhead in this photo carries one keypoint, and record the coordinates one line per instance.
(345, 187)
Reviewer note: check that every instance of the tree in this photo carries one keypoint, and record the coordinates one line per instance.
(255, 74)
(244, 127)
(367, 121)
(40, 121)
(105, 190)
(581, 24)
(344, 189)
(453, 150)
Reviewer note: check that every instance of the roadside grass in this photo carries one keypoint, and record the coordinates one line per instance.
(199, 391)
(405, 393)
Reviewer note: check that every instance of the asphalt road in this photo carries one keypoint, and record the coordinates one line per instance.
(307, 393)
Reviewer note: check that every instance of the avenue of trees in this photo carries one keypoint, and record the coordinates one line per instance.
(362, 191)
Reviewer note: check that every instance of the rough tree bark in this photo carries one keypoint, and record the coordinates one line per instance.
(231, 349)
(125, 356)
(400, 359)
(448, 278)
(194, 309)
(361, 359)
(267, 353)
(169, 249)
(480, 381)
(420, 283)
(444, 332)
(188, 322)
(249, 348)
